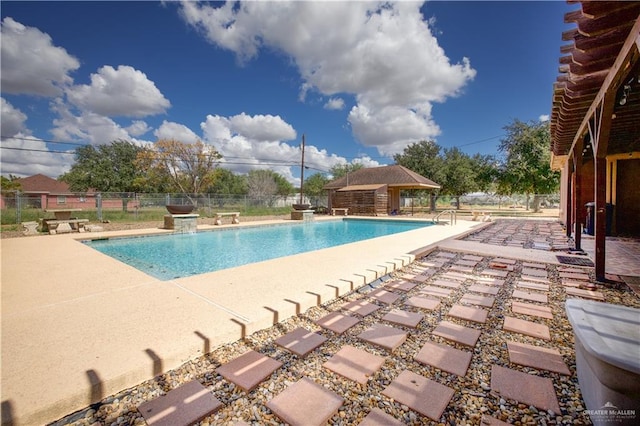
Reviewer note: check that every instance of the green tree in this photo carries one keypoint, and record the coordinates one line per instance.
(527, 166)
(486, 170)
(227, 183)
(423, 158)
(12, 183)
(176, 166)
(458, 174)
(105, 168)
(313, 186)
(340, 170)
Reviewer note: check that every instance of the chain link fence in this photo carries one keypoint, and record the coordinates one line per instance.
(17, 207)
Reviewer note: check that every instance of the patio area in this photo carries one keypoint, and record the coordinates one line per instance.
(462, 319)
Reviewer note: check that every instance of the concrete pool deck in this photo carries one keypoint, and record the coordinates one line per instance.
(78, 325)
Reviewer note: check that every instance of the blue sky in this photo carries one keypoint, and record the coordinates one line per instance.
(361, 80)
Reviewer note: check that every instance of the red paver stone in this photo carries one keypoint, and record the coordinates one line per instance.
(528, 328)
(539, 273)
(574, 276)
(457, 333)
(505, 260)
(534, 297)
(533, 286)
(416, 277)
(425, 396)
(423, 303)
(354, 364)
(337, 322)
(489, 281)
(300, 341)
(445, 283)
(534, 265)
(501, 266)
(495, 273)
(400, 317)
(587, 294)
(383, 335)
(531, 309)
(475, 299)
(463, 262)
(436, 291)
(384, 296)
(446, 255)
(468, 313)
(571, 283)
(360, 307)
(526, 388)
(451, 275)
(445, 358)
(401, 285)
(472, 258)
(249, 369)
(433, 263)
(459, 268)
(484, 289)
(377, 417)
(184, 405)
(537, 357)
(305, 403)
(492, 421)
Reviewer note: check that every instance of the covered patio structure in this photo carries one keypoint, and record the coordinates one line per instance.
(595, 124)
(375, 190)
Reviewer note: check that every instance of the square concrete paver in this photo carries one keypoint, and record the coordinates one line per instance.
(528, 328)
(575, 276)
(445, 358)
(587, 294)
(425, 396)
(531, 309)
(300, 341)
(416, 277)
(400, 317)
(183, 405)
(360, 307)
(461, 268)
(384, 296)
(537, 357)
(457, 333)
(489, 281)
(383, 335)
(355, 364)
(423, 303)
(400, 285)
(337, 322)
(525, 388)
(495, 273)
(472, 257)
(448, 284)
(505, 260)
(436, 291)
(484, 289)
(453, 275)
(249, 369)
(305, 403)
(533, 286)
(538, 273)
(532, 296)
(469, 313)
(475, 299)
(377, 417)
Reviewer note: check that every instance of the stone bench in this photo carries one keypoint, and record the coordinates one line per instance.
(30, 228)
(342, 211)
(55, 226)
(235, 217)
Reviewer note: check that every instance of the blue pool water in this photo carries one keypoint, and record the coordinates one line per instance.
(181, 255)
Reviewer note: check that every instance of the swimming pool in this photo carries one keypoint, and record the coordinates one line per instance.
(181, 255)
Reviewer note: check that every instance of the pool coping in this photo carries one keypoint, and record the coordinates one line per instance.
(78, 326)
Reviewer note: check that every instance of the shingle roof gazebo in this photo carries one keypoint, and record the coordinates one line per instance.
(376, 190)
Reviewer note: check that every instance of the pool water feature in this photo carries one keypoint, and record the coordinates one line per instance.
(181, 255)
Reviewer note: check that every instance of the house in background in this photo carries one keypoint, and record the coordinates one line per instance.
(375, 191)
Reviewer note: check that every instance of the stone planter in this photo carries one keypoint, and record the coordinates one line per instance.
(179, 209)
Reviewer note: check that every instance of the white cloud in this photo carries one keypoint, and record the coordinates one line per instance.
(138, 128)
(179, 132)
(31, 64)
(334, 103)
(13, 120)
(543, 118)
(262, 127)
(24, 156)
(124, 91)
(383, 53)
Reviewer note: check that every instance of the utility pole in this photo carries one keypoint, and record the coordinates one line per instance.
(302, 171)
